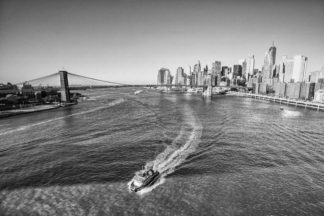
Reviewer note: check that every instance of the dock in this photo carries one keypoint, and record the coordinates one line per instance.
(292, 102)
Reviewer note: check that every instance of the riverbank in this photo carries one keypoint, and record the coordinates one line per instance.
(25, 110)
(296, 103)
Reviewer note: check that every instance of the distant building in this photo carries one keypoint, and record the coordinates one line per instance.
(216, 73)
(200, 78)
(316, 76)
(164, 77)
(244, 67)
(225, 71)
(286, 69)
(299, 70)
(269, 62)
(197, 67)
(180, 77)
(27, 90)
(250, 66)
(237, 71)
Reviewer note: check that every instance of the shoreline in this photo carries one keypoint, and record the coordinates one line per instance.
(284, 101)
(38, 108)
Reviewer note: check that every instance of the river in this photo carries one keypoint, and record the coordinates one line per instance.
(222, 156)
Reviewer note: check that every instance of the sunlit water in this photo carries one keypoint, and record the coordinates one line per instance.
(225, 156)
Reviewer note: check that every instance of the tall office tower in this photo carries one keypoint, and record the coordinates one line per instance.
(65, 91)
(197, 67)
(230, 74)
(179, 77)
(244, 66)
(250, 66)
(216, 73)
(163, 77)
(269, 62)
(286, 69)
(200, 78)
(225, 71)
(299, 70)
(216, 67)
(237, 71)
(272, 54)
(193, 79)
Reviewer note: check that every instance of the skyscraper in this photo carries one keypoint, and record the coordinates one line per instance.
(272, 54)
(286, 69)
(180, 77)
(299, 70)
(237, 71)
(250, 66)
(216, 73)
(244, 66)
(197, 67)
(164, 77)
(269, 62)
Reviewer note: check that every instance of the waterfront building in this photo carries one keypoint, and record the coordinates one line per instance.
(27, 90)
(316, 76)
(8, 88)
(286, 69)
(180, 77)
(164, 77)
(299, 69)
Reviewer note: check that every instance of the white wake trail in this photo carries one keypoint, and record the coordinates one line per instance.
(182, 146)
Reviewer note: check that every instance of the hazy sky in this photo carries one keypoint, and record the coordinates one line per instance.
(128, 41)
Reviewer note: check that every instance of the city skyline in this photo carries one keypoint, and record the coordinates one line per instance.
(129, 41)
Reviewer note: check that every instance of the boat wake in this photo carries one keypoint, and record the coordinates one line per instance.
(182, 146)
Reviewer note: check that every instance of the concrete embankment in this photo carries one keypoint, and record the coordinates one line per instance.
(284, 101)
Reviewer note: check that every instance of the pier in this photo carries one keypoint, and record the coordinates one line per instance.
(296, 103)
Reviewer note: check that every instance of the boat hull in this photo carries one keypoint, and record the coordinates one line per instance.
(146, 183)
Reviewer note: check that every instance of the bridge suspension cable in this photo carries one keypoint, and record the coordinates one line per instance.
(77, 75)
(73, 79)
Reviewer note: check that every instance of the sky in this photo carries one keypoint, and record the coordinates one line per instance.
(128, 41)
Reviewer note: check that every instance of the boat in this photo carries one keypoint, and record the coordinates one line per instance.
(138, 92)
(144, 178)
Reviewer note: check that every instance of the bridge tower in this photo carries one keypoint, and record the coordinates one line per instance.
(65, 91)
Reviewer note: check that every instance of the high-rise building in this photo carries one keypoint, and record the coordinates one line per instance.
(250, 66)
(164, 77)
(299, 70)
(200, 78)
(286, 69)
(315, 76)
(272, 54)
(197, 67)
(225, 71)
(237, 71)
(244, 66)
(216, 73)
(269, 62)
(181, 77)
